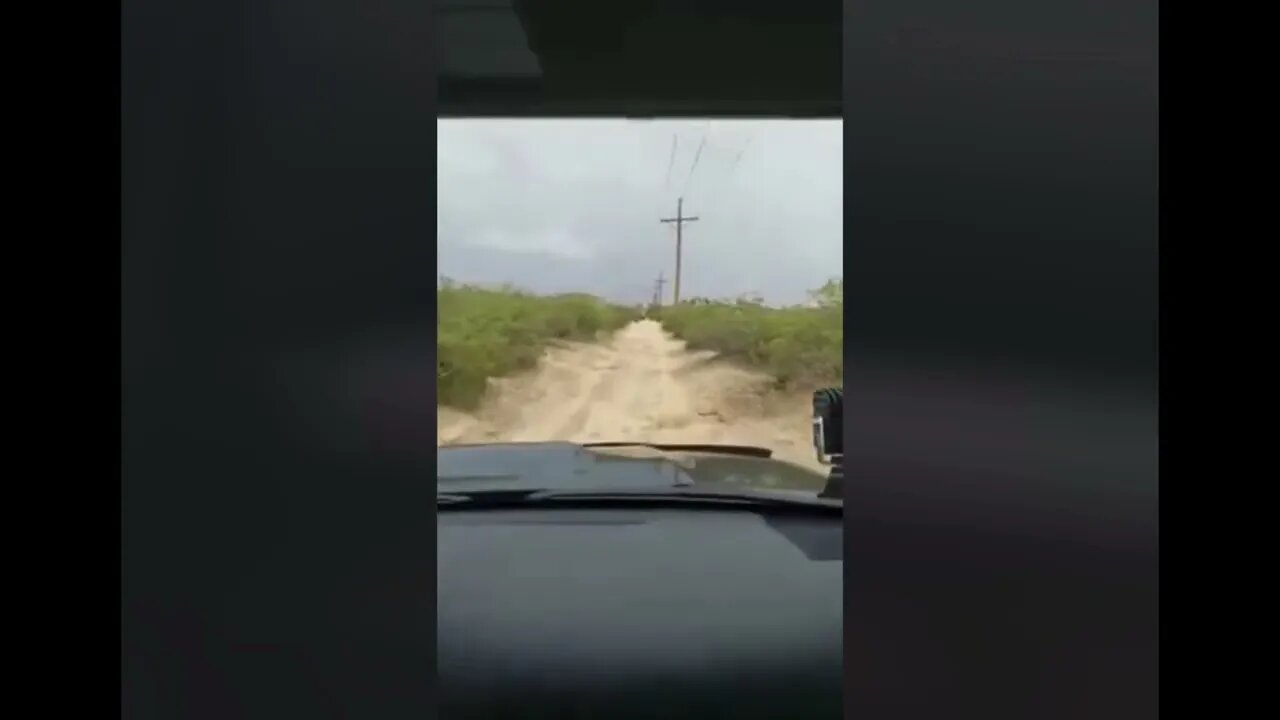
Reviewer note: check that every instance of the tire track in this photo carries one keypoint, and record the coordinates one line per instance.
(641, 386)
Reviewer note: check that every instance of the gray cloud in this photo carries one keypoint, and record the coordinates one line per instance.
(573, 205)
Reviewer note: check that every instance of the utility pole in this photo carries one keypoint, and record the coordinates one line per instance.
(657, 290)
(679, 220)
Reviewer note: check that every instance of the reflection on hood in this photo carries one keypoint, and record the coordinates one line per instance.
(566, 466)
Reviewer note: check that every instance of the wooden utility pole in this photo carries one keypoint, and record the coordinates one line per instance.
(679, 220)
(657, 290)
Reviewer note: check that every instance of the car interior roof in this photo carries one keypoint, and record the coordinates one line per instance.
(699, 57)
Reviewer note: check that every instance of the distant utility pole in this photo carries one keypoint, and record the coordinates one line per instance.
(679, 220)
(657, 289)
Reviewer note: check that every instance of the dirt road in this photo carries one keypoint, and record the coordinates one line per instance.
(644, 386)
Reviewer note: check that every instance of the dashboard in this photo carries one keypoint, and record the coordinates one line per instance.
(625, 612)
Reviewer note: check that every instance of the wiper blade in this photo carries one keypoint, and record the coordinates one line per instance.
(744, 450)
(494, 496)
(665, 497)
(695, 498)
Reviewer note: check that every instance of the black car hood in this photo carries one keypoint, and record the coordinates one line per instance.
(563, 466)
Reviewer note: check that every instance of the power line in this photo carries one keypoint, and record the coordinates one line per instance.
(696, 157)
(714, 197)
(738, 158)
(671, 162)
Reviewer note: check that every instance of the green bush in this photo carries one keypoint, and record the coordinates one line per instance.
(798, 346)
(483, 333)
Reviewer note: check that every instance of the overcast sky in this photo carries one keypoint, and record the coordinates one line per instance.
(574, 205)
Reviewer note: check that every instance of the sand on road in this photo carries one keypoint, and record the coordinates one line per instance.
(642, 385)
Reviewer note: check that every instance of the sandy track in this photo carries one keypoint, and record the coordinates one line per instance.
(643, 386)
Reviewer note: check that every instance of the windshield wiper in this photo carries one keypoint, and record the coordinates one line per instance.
(486, 496)
(655, 497)
(744, 450)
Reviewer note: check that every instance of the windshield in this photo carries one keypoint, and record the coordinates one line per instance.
(655, 282)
